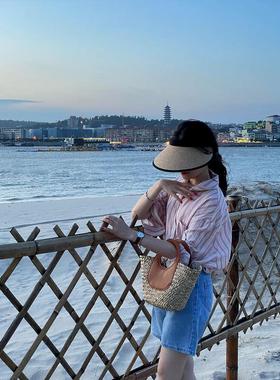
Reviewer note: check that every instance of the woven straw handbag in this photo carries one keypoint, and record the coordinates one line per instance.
(168, 287)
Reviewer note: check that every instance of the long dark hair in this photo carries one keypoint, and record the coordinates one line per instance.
(197, 134)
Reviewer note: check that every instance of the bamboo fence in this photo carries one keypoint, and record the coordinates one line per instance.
(246, 293)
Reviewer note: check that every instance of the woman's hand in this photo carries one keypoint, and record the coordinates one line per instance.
(119, 228)
(173, 187)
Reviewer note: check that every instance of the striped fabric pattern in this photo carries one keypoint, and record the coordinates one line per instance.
(204, 223)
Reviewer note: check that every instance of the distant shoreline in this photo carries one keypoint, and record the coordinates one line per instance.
(249, 145)
(141, 146)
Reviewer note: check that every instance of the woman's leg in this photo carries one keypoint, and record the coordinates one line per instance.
(171, 365)
(189, 369)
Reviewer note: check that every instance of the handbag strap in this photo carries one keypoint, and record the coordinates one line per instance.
(177, 257)
(176, 243)
(160, 277)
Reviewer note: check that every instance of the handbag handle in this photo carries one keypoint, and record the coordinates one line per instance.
(160, 277)
(176, 243)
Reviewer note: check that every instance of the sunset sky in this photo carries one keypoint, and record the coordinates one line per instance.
(213, 60)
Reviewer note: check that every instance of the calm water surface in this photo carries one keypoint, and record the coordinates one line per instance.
(26, 174)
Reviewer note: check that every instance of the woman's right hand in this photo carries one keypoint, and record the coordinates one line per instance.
(173, 187)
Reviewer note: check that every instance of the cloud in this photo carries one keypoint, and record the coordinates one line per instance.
(16, 101)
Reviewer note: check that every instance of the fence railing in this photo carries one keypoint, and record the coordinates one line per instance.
(73, 303)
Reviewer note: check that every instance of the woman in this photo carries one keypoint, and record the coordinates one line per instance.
(192, 208)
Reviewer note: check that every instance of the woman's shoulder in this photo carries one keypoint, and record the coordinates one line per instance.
(208, 198)
(212, 205)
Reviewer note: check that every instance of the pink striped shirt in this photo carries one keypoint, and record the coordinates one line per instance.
(204, 223)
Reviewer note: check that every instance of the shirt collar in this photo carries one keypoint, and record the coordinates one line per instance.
(208, 184)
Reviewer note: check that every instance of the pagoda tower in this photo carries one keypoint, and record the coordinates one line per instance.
(167, 115)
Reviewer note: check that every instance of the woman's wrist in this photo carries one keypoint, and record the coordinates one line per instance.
(148, 197)
(133, 235)
(142, 207)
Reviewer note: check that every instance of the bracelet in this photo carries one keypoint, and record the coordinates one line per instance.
(148, 197)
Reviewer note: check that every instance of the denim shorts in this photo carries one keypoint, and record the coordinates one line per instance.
(181, 330)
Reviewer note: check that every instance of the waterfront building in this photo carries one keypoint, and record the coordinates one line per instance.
(224, 137)
(165, 134)
(235, 129)
(249, 125)
(52, 133)
(119, 134)
(272, 124)
(38, 133)
(57, 133)
(75, 132)
(135, 134)
(12, 133)
(132, 134)
(73, 122)
(259, 135)
(101, 131)
(167, 115)
(260, 124)
(34, 133)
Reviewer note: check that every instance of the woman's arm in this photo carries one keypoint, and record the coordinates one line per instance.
(163, 247)
(171, 187)
(143, 205)
(122, 230)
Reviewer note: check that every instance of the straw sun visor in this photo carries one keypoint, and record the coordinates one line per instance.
(179, 158)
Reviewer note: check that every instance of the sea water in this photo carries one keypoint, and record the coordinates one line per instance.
(28, 174)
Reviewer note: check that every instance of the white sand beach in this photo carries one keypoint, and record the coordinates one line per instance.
(259, 350)
(48, 211)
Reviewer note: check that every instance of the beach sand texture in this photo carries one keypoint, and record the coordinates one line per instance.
(259, 350)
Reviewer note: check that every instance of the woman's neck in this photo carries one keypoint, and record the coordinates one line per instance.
(203, 176)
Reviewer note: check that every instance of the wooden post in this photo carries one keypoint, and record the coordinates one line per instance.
(233, 275)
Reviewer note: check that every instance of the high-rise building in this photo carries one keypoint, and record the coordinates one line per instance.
(167, 115)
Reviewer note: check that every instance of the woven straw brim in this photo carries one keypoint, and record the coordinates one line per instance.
(179, 158)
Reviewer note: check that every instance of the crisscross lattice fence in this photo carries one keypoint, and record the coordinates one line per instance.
(71, 305)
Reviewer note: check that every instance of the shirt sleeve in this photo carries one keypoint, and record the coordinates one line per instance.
(155, 224)
(209, 236)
